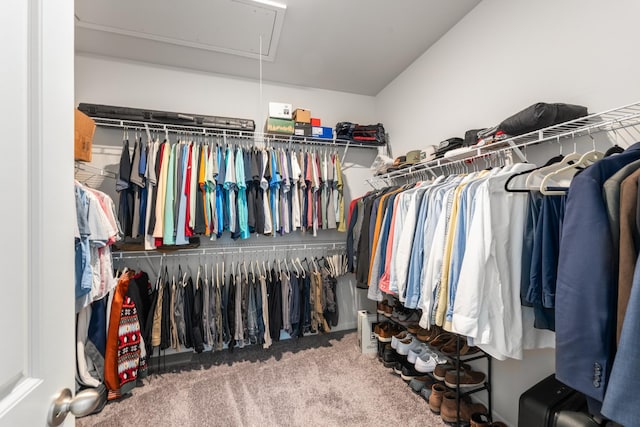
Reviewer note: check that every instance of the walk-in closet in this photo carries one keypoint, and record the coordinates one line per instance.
(287, 213)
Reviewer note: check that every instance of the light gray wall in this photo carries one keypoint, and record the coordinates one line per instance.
(503, 56)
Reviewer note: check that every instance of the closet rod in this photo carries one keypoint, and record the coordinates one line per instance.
(79, 166)
(611, 120)
(232, 250)
(203, 131)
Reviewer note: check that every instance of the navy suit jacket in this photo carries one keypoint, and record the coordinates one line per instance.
(586, 293)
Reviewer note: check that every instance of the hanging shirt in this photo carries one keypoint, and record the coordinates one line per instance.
(296, 173)
(181, 238)
(152, 181)
(242, 195)
(274, 185)
(188, 230)
(230, 188)
(325, 189)
(220, 193)
(158, 231)
(264, 185)
(212, 173)
(342, 226)
(195, 163)
(168, 231)
(286, 192)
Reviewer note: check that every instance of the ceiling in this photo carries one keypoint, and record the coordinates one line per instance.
(356, 46)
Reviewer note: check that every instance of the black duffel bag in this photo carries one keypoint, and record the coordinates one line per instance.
(362, 134)
(539, 116)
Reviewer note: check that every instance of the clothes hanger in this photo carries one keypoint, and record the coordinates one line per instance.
(295, 267)
(535, 179)
(563, 176)
(551, 161)
(302, 271)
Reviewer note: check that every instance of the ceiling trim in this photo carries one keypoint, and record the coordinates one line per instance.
(271, 44)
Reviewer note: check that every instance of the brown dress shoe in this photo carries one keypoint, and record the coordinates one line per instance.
(441, 340)
(435, 399)
(449, 408)
(468, 378)
(441, 370)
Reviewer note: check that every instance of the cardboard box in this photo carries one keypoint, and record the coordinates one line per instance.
(322, 132)
(279, 126)
(301, 115)
(302, 129)
(279, 110)
(315, 122)
(85, 127)
(367, 341)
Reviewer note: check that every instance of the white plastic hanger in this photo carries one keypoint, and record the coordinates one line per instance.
(563, 176)
(293, 263)
(534, 180)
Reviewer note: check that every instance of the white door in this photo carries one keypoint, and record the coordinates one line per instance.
(36, 208)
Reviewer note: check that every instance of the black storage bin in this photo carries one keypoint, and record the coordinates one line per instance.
(540, 403)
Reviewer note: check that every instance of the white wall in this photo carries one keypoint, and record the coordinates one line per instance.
(102, 80)
(503, 56)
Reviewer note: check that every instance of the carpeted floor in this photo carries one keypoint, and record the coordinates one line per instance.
(320, 380)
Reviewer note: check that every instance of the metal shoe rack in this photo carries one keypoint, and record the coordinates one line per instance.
(458, 360)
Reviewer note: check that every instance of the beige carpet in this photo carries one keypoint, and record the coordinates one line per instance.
(321, 380)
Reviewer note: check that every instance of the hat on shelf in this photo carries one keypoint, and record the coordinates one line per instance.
(423, 155)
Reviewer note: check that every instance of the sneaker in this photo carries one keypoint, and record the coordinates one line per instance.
(420, 382)
(398, 337)
(407, 344)
(417, 351)
(409, 318)
(468, 378)
(397, 368)
(389, 356)
(427, 362)
(395, 313)
(409, 372)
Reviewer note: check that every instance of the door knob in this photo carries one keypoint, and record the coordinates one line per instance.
(83, 403)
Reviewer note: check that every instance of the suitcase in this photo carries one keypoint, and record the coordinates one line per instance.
(166, 117)
(539, 404)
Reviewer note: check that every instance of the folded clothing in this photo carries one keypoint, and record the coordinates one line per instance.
(448, 145)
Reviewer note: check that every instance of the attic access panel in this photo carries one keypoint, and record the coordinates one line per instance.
(227, 26)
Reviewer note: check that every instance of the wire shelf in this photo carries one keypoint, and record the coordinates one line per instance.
(607, 121)
(224, 133)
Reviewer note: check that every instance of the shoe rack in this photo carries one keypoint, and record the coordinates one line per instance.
(486, 385)
(458, 360)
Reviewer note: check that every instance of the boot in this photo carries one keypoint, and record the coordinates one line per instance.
(435, 400)
(449, 408)
(479, 419)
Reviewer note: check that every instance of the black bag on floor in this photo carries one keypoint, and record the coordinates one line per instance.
(540, 403)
